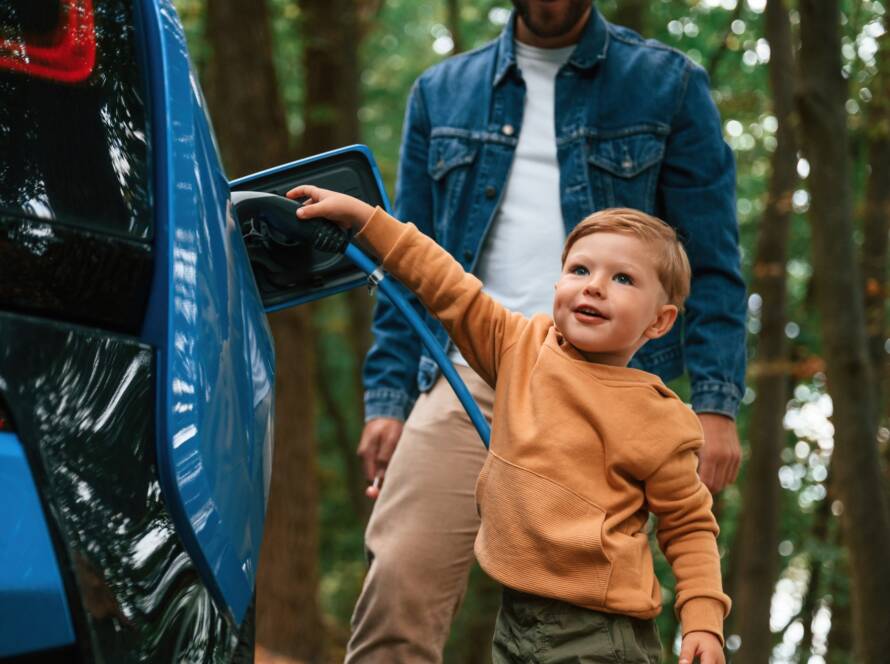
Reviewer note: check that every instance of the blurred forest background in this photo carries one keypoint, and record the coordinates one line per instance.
(802, 86)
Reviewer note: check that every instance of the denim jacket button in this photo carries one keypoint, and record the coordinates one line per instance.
(490, 191)
(507, 130)
(468, 255)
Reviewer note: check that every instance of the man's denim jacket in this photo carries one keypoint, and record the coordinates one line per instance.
(635, 127)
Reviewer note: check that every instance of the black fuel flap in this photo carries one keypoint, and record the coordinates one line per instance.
(289, 274)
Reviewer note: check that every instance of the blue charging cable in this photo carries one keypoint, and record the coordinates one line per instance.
(377, 278)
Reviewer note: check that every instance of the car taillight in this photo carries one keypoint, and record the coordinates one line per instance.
(53, 39)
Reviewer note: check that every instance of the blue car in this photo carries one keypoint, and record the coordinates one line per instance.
(136, 362)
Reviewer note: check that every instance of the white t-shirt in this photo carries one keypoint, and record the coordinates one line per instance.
(519, 263)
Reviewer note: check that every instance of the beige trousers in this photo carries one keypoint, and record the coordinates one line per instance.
(421, 533)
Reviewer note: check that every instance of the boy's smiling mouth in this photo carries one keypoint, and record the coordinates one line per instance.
(589, 313)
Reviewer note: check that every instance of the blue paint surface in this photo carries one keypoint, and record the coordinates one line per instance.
(33, 609)
(205, 318)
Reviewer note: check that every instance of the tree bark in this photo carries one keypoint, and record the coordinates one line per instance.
(241, 86)
(855, 463)
(289, 620)
(875, 224)
(758, 538)
(333, 30)
(825, 536)
(633, 14)
(242, 92)
(452, 19)
(331, 74)
(840, 638)
(721, 50)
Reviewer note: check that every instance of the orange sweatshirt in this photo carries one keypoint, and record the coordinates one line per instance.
(580, 454)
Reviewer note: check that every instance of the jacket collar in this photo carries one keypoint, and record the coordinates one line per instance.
(590, 50)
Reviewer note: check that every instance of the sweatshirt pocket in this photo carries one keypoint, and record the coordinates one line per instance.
(539, 536)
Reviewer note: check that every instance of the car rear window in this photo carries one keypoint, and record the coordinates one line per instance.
(74, 142)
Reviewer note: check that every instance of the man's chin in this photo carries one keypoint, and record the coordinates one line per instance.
(551, 21)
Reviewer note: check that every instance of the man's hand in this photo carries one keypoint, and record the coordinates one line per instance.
(720, 456)
(379, 439)
(704, 645)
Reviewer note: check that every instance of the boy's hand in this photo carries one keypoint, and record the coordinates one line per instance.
(703, 645)
(347, 212)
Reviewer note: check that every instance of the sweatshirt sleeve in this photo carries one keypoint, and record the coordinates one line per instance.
(687, 534)
(481, 328)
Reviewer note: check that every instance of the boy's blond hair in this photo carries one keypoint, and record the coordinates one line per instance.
(671, 262)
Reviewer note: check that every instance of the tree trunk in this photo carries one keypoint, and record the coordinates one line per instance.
(331, 74)
(242, 91)
(840, 638)
(875, 224)
(758, 537)
(633, 14)
(823, 536)
(333, 32)
(289, 619)
(855, 464)
(238, 75)
(721, 50)
(452, 19)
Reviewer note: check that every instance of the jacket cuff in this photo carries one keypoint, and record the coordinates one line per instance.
(703, 614)
(715, 397)
(387, 402)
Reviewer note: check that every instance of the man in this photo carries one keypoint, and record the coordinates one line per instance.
(505, 149)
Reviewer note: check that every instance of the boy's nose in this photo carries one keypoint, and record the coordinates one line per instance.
(594, 286)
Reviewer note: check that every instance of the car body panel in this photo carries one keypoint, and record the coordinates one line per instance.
(83, 403)
(138, 367)
(214, 347)
(30, 582)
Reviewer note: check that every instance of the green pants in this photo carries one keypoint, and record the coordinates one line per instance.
(538, 630)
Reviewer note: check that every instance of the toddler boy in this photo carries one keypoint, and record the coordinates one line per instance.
(582, 447)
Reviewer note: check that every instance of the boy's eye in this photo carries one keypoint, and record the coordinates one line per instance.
(623, 278)
(580, 270)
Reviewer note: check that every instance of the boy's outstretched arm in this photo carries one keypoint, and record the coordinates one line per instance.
(481, 328)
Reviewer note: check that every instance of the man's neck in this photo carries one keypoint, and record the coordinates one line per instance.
(526, 36)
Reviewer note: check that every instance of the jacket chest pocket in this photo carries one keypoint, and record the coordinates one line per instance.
(449, 164)
(624, 170)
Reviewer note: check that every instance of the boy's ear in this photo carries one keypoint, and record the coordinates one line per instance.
(664, 321)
